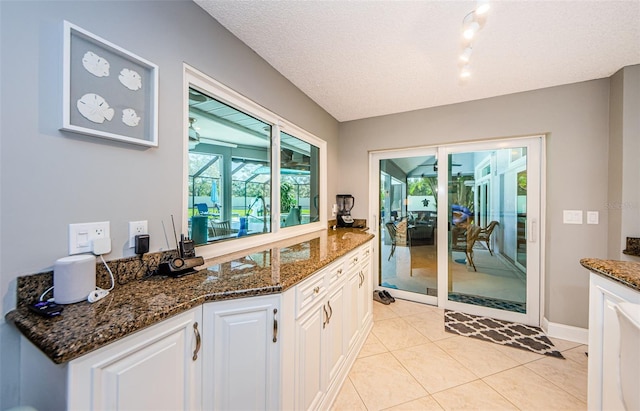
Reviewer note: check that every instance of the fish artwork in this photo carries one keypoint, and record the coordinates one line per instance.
(96, 65)
(95, 108)
(130, 117)
(130, 79)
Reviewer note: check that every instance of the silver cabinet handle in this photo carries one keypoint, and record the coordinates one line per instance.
(325, 321)
(330, 311)
(361, 279)
(340, 271)
(275, 325)
(316, 290)
(198, 341)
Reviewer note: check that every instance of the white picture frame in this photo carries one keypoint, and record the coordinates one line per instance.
(108, 91)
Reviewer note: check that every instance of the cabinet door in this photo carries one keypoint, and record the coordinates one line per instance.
(241, 357)
(335, 332)
(153, 369)
(354, 296)
(310, 356)
(365, 298)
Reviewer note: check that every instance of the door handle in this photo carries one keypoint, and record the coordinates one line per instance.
(532, 230)
(275, 325)
(330, 312)
(198, 341)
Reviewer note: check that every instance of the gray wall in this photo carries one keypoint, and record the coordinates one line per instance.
(576, 119)
(624, 168)
(50, 179)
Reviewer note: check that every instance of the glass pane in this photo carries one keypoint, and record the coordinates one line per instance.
(299, 181)
(229, 171)
(408, 210)
(487, 213)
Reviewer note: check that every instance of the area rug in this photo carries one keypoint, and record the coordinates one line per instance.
(489, 302)
(525, 337)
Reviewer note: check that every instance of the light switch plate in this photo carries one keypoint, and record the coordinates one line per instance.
(572, 216)
(81, 235)
(592, 217)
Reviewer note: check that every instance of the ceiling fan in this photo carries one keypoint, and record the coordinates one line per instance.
(435, 165)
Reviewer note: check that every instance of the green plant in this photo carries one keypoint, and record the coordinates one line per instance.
(287, 198)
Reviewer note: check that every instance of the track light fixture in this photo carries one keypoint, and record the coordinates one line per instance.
(471, 24)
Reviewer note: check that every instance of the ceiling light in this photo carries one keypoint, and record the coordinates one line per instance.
(466, 54)
(482, 7)
(466, 72)
(471, 30)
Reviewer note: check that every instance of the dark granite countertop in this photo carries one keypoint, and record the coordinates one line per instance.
(84, 327)
(624, 272)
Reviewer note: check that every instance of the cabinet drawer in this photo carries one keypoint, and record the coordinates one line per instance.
(336, 273)
(352, 260)
(365, 253)
(311, 290)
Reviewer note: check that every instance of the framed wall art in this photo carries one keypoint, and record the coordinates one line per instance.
(107, 91)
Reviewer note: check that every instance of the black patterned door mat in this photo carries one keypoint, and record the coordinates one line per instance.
(489, 302)
(525, 337)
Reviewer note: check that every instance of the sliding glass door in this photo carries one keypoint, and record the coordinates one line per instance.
(458, 226)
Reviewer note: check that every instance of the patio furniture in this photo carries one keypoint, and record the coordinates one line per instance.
(391, 229)
(485, 234)
(467, 247)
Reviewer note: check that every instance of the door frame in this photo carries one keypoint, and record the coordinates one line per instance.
(536, 228)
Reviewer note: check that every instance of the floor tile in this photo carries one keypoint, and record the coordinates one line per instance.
(566, 374)
(372, 346)
(424, 404)
(382, 312)
(396, 333)
(519, 355)
(382, 382)
(348, 399)
(429, 324)
(475, 395)
(481, 357)
(434, 369)
(404, 308)
(563, 345)
(529, 391)
(578, 355)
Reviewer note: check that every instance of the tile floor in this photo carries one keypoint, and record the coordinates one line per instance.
(410, 363)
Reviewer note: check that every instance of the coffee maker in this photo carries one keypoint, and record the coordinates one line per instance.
(345, 203)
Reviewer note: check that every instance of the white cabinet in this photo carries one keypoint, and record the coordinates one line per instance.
(241, 361)
(154, 369)
(333, 319)
(603, 382)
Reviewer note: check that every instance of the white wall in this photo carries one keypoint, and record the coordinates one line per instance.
(50, 179)
(576, 119)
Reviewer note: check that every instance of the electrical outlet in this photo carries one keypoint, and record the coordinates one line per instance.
(81, 236)
(136, 228)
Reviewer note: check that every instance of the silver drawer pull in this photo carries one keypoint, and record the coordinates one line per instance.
(198, 341)
(275, 325)
(316, 290)
(340, 271)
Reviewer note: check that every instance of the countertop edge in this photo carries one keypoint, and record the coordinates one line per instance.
(624, 272)
(60, 352)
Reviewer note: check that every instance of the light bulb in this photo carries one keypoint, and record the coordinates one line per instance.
(466, 72)
(483, 7)
(471, 31)
(466, 54)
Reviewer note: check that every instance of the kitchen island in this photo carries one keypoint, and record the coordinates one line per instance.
(610, 283)
(284, 306)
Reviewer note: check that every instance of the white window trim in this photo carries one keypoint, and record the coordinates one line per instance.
(195, 78)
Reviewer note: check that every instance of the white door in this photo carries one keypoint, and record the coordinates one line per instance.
(423, 254)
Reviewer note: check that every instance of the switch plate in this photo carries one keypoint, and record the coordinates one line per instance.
(81, 235)
(136, 228)
(572, 216)
(592, 217)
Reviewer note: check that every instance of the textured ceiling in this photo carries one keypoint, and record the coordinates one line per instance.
(360, 59)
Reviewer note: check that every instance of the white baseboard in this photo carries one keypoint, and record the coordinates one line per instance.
(565, 332)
